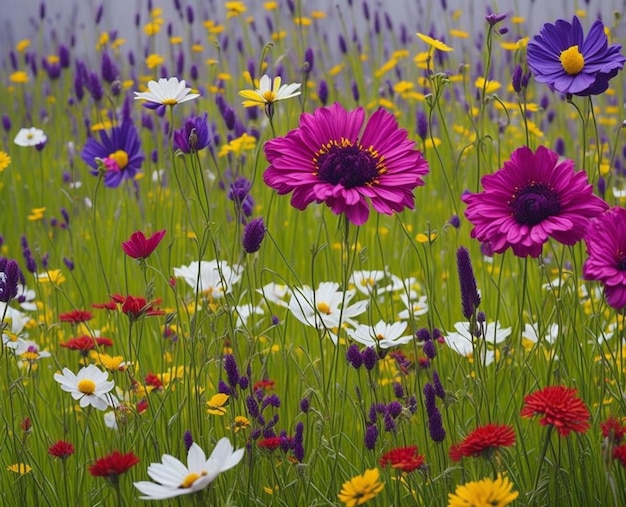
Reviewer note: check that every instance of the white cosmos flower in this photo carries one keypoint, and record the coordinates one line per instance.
(463, 342)
(531, 333)
(30, 137)
(274, 293)
(323, 308)
(367, 282)
(269, 92)
(382, 335)
(212, 278)
(168, 92)
(172, 478)
(414, 306)
(13, 335)
(91, 386)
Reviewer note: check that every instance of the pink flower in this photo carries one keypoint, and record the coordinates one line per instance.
(532, 198)
(333, 158)
(138, 247)
(606, 247)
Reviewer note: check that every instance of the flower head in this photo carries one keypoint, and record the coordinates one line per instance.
(406, 459)
(532, 198)
(487, 492)
(567, 61)
(434, 43)
(5, 160)
(606, 249)
(61, 449)
(560, 407)
(214, 278)
(172, 478)
(483, 441)
(253, 235)
(118, 153)
(269, 92)
(193, 136)
(138, 247)
(112, 465)
(90, 386)
(381, 335)
(30, 137)
(167, 92)
(330, 158)
(362, 488)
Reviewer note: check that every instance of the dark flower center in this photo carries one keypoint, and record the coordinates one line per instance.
(348, 164)
(534, 203)
(621, 261)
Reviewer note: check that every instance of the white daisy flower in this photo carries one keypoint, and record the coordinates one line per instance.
(168, 92)
(172, 478)
(269, 92)
(90, 386)
(382, 335)
(30, 137)
(274, 293)
(531, 333)
(325, 308)
(414, 306)
(212, 278)
(463, 342)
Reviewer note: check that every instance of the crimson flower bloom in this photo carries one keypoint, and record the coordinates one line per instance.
(84, 344)
(138, 247)
(619, 453)
(533, 197)
(560, 406)
(562, 57)
(403, 458)
(606, 247)
(61, 449)
(75, 316)
(269, 443)
(613, 429)
(134, 307)
(112, 465)
(483, 441)
(331, 158)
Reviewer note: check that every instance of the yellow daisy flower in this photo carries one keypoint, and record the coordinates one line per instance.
(434, 43)
(5, 160)
(361, 489)
(484, 493)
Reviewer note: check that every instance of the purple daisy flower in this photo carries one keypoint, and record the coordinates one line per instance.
(331, 158)
(533, 197)
(606, 247)
(120, 152)
(563, 58)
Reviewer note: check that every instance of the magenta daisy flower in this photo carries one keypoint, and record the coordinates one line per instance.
(606, 247)
(331, 158)
(119, 151)
(533, 197)
(562, 57)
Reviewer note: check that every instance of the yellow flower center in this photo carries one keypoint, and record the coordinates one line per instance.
(269, 96)
(170, 102)
(120, 157)
(190, 479)
(324, 307)
(572, 60)
(87, 386)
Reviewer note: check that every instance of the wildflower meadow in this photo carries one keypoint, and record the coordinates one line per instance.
(287, 254)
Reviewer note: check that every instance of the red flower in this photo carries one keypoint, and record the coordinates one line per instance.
(613, 429)
(264, 385)
(619, 453)
(136, 307)
(76, 316)
(270, 443)
(483, 441)
(61, 449)
(86, 343)
(138, 247)
(112, 465)
(403, 458)
(154, 381)
(560, 406)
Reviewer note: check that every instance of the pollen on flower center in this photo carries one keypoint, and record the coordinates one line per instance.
(621, 261)
(120, 157)
(533, 204)
(572, 60)
(190, 479)
(86, 386)
(347, 163)
(269, 96)
(324, 307)
(169, 102)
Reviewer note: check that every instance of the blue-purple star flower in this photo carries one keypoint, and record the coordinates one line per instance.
(567, 61)
(120, 153)
(188, 143)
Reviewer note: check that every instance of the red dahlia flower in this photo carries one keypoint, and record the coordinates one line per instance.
(331, 158)
(403, 458)
(560, 407)
(76, 316)
(61, 449)
(483, 441)
(112, 465)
